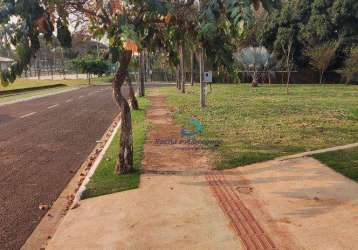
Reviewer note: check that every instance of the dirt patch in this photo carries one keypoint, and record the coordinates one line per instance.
(165, 149)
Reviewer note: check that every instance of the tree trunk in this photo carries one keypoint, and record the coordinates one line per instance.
(321, 77)
(141, 74)
(254, 79)
(202, 83)
(269, 78)
(182, 69)
(145, 63)
(132, 98)
(125, 157)
(178, 76)
(38, 67)
(288, 80)
(192, 68)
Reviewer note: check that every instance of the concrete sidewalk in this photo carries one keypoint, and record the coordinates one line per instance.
(166, 212)
(301, 200)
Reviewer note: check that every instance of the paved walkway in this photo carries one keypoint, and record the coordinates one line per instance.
(303, 201)
(183, 204)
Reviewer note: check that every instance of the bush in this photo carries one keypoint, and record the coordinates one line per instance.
(92, 66)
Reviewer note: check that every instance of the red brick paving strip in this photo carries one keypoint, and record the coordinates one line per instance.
(245, 225)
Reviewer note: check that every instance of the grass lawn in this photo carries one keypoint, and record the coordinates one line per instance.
(342, 161)
(258, 124)
(23, 83)
(104, 181)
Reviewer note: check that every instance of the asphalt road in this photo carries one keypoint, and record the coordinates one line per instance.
(42, 144)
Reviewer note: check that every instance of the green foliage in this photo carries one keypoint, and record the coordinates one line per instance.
(221, 22)
(351, 65)
(63, 34)
(145, 22)
(310, 22)
(32, 19)
(92, 66)
(321, 56)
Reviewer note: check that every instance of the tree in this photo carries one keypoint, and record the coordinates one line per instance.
(143, 22)
(254, 59)
(308, 23)
(350, 65)
(91, 66)
(321, 56)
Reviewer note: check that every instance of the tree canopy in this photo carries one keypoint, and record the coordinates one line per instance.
(310, 22)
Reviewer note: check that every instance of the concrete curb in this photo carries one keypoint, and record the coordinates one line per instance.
(51, 220)
(95, 165)
(310, 153)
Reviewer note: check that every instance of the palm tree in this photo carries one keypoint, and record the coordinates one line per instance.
(254, 59)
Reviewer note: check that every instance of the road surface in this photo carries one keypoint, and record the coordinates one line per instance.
(43, 142)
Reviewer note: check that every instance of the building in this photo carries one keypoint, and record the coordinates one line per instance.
(5, 62)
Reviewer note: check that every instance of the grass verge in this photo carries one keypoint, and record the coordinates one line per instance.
(105, 181)
(342, 161)
(259, 124)
(10, 93)
(23, 83)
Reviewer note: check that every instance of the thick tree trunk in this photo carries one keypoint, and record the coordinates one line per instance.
(132, 98)
(182, 69)
(125, 157)
(141, 74)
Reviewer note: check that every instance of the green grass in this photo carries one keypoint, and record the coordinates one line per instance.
(342, 161)
(24, 83)
(105, 181)
(15, 97)
(259, 124)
